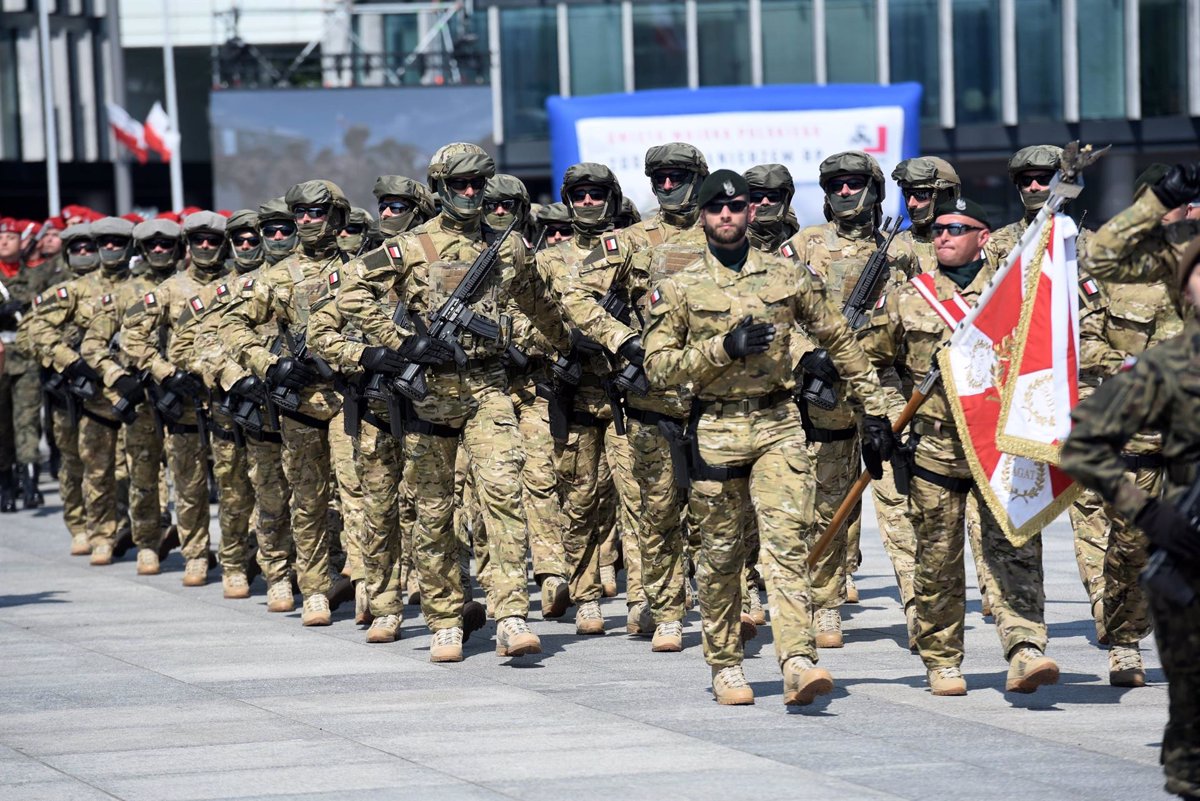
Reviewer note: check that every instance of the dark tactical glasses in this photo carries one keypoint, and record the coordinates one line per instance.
(954, 229)
(354, 229)
(734, 206)
(160, 243)
(508, 204)
(676, 177)
(202, 238)
(852, 182)
(396, 207)
(770, 195)
(919, 195)
(582, 193)
(112, 241)
(248, 239)
(461, 184)
(1026, 179)
(82, 246)
(272, 228)
(559, 230)
(312, 212)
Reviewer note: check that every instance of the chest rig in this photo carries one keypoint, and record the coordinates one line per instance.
(445, 273)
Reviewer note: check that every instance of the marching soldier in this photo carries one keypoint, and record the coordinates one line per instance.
(924, 181)
(278, 227)
(771, 192)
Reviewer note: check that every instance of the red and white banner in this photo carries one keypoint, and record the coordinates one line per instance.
(128, 131)
(1028, 315)
(160, 136)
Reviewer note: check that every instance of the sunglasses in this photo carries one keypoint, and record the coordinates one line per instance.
(1026, 179)
(582, 193)
(161, 244)
(212, 240)
(734, 206)
(312, 212)
(954, 229)
(559, 230)
(851, 182)
(396, 207)
(508, 204)
(112, 241)
(770, 195)
(676, 177)
(285, 228)
(919, 195)
(86, 246)
(354, 229)
(461, 184)
(250, 240)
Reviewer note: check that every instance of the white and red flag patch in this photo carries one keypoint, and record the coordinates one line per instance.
(196, 303)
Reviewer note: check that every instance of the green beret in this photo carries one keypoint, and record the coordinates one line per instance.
(723, 185)
(964, 207)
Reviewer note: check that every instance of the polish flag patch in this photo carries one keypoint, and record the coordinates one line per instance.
(610, 244)
(882, 300)
(787, 250)
(222, 290)
(197, 304)
(62, 293)
(394, 251)
(150, 300)
(37, 301)
(1089, 287)
(106, 300)
(655, 297)
(248, 284)
(335, 278)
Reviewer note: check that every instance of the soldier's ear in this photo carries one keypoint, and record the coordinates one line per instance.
(984, 236)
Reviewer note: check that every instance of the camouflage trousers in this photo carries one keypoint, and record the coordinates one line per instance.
(469, 528)
(1124, 611)
(235, 504)
(539, 488)
(619, 513)
(975, 538)
(380, 462)
(70, 473)
(659, 526)
(189, 468)
(98, 450)
(307, 467)
(349, 496)
(143, 460)
(272, 509)
(1177, 633)
(492, 443)
(1014, 574)
(408, 524)
(20, 418)
(780, 490)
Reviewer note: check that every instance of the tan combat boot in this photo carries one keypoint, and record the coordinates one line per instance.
(851, 590)
(513, 638)
(556, 597)
(446, 645)
(102, 553)
(639, 620)
(1028, 669)
(757, 613)
(803, 681)
(947, 681)
(280, 598)
(235, 586)
(608, 581)
(362, 605)
(589, 619)
(80, 545)
(730, 687)
(147, 562)
(828, 623)
(384, 629)
(195, 572)
(1125, 666)
(668, 637)
(316, 611)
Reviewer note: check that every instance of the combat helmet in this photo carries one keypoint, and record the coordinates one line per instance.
(854, 207)
(80, 263)
(414, 193)
(117, 227)
(352, 242)
(506, 187)
(931, 173)
(771, 177)
(592, 220)
(1034, 157)
(273, 213)
(205, 222)
(319, 193)
(144, 233)
(677, 155)
(459, 160)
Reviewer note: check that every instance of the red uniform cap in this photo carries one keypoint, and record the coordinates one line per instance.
(168, 215)
(133, 218)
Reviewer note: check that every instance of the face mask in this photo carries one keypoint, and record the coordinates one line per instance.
(83, 262)
(679, 199)
(391, 226)
(207, 260)
(924, 216)
(247, 260)
(160, 260)
(591, 219)
(312, 232)
(114, 260)
(460, 207)
(1033, 201)
(770, 214)
(854, 207)
(278, 248)
(350, 244)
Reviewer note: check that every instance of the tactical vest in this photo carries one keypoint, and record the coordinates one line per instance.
(445, 275)
(306, 291)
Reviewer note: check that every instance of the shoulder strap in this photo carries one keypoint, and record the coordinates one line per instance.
(951, 311)
(431, 252)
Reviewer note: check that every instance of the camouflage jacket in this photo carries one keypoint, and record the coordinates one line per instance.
(24, 287)
(692, 311)
(922, 248)
(101, 344)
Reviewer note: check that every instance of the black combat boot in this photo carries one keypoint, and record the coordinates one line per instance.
(31, 495)
(8, 492)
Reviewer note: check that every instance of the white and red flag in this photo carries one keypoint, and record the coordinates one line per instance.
(161, 137)
(128, 131)
(1011, 374)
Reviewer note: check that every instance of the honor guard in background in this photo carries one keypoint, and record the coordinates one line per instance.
(723, 325)
(924, 182)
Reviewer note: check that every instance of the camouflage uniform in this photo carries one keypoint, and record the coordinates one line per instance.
(690, 314)
(837, 251)
(939, 178)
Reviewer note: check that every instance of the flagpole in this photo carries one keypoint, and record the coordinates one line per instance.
(122, 182)
(172, 108)
(51, 128)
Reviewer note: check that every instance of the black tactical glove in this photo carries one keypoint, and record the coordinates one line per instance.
(878, 444)
(290, 373)
(129, 388)
(583, 345)
(1169, 530)
(816, 363)
(382, 359)
(749, 338)
(184, 384)
(8, 315)
(81, 369)
(424, 349)
(514, 357)
(250, 387)
(632, 351)
(1180, 185)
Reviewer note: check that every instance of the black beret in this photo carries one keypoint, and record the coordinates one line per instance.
(1150, 176)
(723, 185)
(963, 206)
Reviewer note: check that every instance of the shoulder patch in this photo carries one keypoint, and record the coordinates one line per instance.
(879, 304)
(611, 244)
(335, 279)
(150, 300)
(197, 304)
(247, 288)
(381, 257)
(655, 297)
(61, 293)
(222, 291)
(1090, 288)
(37, 300)
(1128, 364)
(789, 251)
(394, 251)
(106, 300)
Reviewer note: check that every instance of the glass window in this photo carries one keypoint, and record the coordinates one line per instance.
(977, 61)
(596, 66)
(528, 69)
(850, 41)
(1039, 60)
(400, 38)
(787, 41)
(659, 46)
(723, 34)
(913, 46)
(1101, 59)
(1163, 35)
(10, 114)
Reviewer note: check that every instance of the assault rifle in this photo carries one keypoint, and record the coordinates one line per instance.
(56, 392)
(454, 317)
(289, 399)
(125, 409)
(817, 389)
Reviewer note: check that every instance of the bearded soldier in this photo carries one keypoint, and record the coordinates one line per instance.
(924, 181)
(838, 250)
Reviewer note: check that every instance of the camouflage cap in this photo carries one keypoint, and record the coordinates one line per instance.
(78, 231)
(112, 226)
(204, 221)
(505, 187)
(588, 172)
(926, 172)
(852, 162)
(318, 192)
(676, 154)
(150, 229)
(1034, 157)
(770, 176)
(274, 210)
(242, 218)
(1187, 263)
(460, 159)
(554, 213)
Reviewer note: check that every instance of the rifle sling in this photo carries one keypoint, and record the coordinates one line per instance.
(304, 419)
(702, 470)
(180, 428)
(814, 434)
(99, 418)
(959, 485)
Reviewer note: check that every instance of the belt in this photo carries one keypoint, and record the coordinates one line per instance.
(223, 434)
(959, 485)
(585, 419)
(101, 419)
(369, 416)
(745, 405)
(1143, 461)
(304, 419)
(472, 364)
(935, 428)
(649, 418)
(414, 425)
(814, 434)
(180, 428)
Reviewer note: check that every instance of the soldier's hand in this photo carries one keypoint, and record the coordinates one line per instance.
(129, 388)
(81, 369)
(1169, 530)
(250, 387)
(816, 363)
(424, 349)
(290, 373)
(584, 345)
(878, 445)
(184, 384)
(749, 338)
(1180, 185)
(632, 351)
(382, 359)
